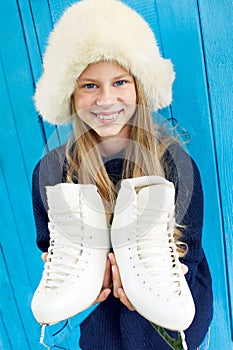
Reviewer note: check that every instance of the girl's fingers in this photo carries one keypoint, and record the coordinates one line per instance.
(108, 275)
(103, 295)
(118, 291)
(125, 300)
(106, 284)
(112, 258)
(184, 268)
(44, 256)
(116, 280)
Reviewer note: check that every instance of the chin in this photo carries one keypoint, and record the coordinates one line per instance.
(111, 132)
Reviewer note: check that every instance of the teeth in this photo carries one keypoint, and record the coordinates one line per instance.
(107, 117)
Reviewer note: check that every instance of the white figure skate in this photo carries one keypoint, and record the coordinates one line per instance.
(79, 244)
(142, 239)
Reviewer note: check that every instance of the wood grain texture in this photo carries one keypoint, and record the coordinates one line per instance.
(17, 159)
(217, 29)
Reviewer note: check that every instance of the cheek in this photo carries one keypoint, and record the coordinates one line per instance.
(82, 101)
(131, 97)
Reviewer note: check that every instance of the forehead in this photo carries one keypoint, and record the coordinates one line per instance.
(100, 69)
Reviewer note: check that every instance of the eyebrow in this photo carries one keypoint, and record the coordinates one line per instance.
(89, 79)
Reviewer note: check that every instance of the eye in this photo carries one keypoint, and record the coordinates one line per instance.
(90, 86)
(120, 82)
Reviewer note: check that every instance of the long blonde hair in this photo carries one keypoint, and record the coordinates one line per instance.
(142, 156)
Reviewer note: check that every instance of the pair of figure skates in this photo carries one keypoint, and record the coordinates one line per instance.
(141, 236)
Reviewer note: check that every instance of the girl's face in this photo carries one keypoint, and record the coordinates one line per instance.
(105, 99)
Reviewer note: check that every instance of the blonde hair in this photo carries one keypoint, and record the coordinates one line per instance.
(142, 156)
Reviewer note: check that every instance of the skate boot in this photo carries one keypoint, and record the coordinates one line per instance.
(79, 243)
(143, 243)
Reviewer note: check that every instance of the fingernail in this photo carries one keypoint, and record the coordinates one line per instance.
(120, 293)
(106, 293)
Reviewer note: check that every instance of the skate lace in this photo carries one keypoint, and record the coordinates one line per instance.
(157, 252)
(65, 254)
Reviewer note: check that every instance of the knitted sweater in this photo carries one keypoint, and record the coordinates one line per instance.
(111, 326)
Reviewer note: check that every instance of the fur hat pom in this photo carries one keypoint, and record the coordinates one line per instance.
(91, 31)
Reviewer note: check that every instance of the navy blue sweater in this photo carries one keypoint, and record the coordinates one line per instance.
(111, 326)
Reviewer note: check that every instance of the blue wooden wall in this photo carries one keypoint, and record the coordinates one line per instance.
(197, 36)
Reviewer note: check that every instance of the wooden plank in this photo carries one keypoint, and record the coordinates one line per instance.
(33, 40)
(10, 312)
(15, 260)
(181, 37)
(217, 31)
(5, 342)
(18, 82)
(36, 19)
(17, 164)
(16, 222)
(19, 274)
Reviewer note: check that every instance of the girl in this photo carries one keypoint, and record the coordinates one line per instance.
(103, 71)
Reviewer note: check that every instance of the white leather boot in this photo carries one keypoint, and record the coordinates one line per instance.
(79, 244)
(145, 251)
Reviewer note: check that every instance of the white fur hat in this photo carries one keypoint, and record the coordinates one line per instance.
(100, 30)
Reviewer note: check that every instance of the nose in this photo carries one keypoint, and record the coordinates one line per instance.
(105, 97)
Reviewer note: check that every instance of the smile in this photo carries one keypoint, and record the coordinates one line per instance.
(107, 116)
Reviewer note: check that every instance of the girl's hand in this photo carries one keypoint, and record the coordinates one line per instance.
(106, 282)
(118, 291)
(184, 268)
(44, 257)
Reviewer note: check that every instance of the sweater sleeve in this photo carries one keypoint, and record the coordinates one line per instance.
(48, 172)
(182, 171)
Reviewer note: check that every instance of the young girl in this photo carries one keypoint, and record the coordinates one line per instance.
(103, 71)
